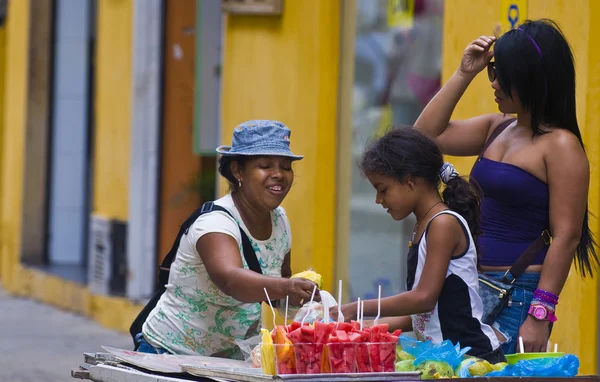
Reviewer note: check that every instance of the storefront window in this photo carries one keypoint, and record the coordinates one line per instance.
(398, 52)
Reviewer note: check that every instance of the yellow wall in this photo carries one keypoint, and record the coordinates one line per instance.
(2, 85)
(111, 165)
(113, 108)
(286, 68)
(13, 139)
(577, 328)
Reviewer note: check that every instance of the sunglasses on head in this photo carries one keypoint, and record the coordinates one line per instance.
(491, 70)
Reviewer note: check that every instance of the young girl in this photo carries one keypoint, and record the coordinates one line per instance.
(442, 301)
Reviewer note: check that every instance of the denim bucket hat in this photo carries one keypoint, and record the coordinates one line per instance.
(260, 137)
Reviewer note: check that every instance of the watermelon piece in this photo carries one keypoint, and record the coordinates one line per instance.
(307, 334)
(397, 332)
(355, 337)
(322, 331)
(387, 337)
(363, 336)
(342, 336)
(295, 325)
(341, 350)
(342, 357)
(345, 326)
(374, 356)
(382, 356)
(332, 338)
(387, 352)
(387, 357)
(295, 336)
(363, 361)
(376, 331)
(355, 325)
(308, 358)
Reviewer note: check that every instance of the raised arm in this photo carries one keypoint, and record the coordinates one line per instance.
(465, 137)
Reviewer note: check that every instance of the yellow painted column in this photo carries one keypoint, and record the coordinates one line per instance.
(286, 68)
(576, 331)
(113, 108)
(460, 28)
(14, 45)
(577, 328)
(112, 136)
(2, 100)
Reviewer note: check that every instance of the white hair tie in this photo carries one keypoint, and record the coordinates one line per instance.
(448, 172)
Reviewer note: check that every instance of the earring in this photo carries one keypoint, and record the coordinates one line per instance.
(239, 183)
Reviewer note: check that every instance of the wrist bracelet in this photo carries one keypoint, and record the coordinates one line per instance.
(546, 300)
(545, 292)
(546, 296)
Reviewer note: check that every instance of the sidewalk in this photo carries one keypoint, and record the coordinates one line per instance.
(41, 343)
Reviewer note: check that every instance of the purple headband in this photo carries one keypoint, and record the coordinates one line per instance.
(537, 47)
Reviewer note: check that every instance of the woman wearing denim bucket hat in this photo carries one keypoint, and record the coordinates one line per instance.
(212, 298)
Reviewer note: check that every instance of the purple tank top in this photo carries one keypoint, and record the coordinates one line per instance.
(514, 211)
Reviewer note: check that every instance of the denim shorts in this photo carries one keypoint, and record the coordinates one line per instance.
(513, 315)
(144, 347)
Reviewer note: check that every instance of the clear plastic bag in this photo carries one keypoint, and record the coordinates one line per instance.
(314, 311)
(248, 345)
(309, 312)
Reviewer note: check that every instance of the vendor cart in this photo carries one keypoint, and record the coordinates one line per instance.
(117, 365)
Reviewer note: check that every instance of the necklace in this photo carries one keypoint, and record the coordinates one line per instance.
(412, 237)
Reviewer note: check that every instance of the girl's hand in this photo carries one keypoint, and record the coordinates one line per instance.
(535, 335)
(348, 310)
(477, 55)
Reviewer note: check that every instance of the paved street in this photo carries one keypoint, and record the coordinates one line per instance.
(39, 343)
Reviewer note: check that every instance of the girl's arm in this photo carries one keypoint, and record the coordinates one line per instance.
(403, 323)
(444, 236)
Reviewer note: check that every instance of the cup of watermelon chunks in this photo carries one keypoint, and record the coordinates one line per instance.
(334, 348)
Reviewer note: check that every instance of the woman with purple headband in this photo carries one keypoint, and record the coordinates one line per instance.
(532, 169)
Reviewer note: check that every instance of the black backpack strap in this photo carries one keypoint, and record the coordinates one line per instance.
(248, 250)
(165, 266)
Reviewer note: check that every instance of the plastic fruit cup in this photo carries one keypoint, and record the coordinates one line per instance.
(309, 358)
(363, 360)
(285, 359)
(342, 357)
(382, 356)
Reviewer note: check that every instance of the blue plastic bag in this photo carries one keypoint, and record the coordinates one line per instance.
(414, 347)
(463, 372)
(427, 351)
(565, 366)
